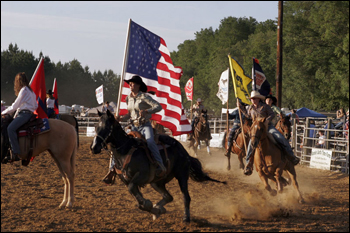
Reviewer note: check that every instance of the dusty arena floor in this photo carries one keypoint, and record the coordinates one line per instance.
(30, 197)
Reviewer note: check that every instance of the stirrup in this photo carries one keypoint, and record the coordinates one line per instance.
(109, 179)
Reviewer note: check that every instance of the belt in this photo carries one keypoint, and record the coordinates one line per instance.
(137, 123)
(26, 111)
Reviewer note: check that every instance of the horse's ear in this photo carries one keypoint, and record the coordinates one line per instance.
(109, 114)
(99, 113)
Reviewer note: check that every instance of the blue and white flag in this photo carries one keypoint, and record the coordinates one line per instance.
(260, 82)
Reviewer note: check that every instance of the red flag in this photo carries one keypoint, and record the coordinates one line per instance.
(149, 57)
(37, 83)
(189, 89)
(55, 95)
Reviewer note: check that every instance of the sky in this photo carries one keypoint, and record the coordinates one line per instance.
(94, 32)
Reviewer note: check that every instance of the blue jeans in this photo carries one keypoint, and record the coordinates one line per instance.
(232, 132)
(147, 131)
(21, 119)
(280, 139)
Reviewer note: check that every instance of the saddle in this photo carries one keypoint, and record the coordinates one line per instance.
(29, 130)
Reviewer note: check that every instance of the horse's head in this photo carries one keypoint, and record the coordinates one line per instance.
(203, 117)
(284, 126)
(258, 131)
(104, 131)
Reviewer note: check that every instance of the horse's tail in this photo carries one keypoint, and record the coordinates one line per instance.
(197, 174)
(223, 140)
(77, 129)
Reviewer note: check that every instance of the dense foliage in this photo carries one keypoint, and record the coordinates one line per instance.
(315, 61)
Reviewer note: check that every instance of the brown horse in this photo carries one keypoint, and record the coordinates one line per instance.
(158, 128)
(60, 141)
(71, 120)
(238, 148)
(269, 160)
(201, 132)
(284, 126)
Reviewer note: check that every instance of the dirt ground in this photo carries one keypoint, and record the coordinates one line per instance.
(30, 197)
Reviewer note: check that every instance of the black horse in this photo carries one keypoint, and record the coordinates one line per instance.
(137, 170)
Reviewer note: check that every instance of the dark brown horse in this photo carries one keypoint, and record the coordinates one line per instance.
(238, 148)
(137, 170)
(201, 132)
(269, 160)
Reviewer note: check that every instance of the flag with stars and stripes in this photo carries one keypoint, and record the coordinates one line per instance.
(148, 56)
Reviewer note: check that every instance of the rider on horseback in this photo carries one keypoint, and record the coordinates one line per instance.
(196, 111)
(140, 109)
(236, 125)
(260, 109)
(272, 101)
(24, 106)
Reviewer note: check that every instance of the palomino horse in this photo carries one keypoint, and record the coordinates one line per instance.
(69, 119)
(201, 132)
(283, 126)
(269, 160)
(60, 141)
(135, 168)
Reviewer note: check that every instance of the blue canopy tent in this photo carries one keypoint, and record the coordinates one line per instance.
(305, 112)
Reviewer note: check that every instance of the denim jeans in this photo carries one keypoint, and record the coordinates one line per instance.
(21, 119)
(279, 139)
(147, 131)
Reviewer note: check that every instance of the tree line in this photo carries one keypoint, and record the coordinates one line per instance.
(315, 64)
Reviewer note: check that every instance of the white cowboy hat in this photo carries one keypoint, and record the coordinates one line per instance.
(256, 94)
(3, 102)
(199, 100)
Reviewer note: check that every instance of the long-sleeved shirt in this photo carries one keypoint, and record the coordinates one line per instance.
(26, 100)
(262, 110)
(50, 103)
(142, 101)
(196, 109)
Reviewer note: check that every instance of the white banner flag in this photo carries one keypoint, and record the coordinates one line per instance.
(223, 86)
(99, 94)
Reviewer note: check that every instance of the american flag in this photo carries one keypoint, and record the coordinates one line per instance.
(148, 56)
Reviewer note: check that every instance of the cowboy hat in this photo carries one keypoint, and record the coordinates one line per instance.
(274, 100)
(199, 100)
(3, 102)
(137, 79)
(256, 94)
(49, 92)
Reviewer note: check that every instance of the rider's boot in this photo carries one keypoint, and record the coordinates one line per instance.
(295, 160)
(13, 156)
(248, 170)
(110, 177)
(229, 147)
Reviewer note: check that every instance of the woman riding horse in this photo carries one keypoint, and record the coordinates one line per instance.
(260, 109)
(24, 106)
(140, 109)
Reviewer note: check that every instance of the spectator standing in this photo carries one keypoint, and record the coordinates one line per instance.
(321, 142)
(295, 115)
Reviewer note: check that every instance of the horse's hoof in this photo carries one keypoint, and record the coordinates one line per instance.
(273, 192)
(301, 201)
(155, 216)
(228, 168)
(186, 220)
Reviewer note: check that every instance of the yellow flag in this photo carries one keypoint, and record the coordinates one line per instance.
(240, 81)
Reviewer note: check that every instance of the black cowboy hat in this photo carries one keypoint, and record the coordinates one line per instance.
(137, 79)
(274, 99)
(49, 92)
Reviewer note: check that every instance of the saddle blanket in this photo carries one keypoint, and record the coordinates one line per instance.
(45, 128)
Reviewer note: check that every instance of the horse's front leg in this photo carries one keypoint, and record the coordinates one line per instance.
(208, 148)
(264, 179)
(133, 187)
(158, 208)
(278, 174)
